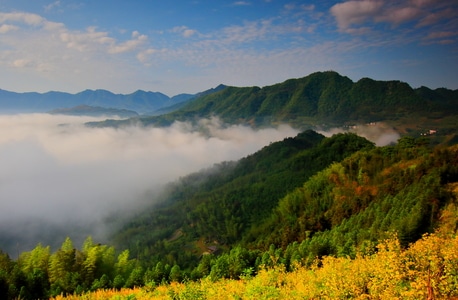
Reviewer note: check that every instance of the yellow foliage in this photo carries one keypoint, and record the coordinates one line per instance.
(428, 269)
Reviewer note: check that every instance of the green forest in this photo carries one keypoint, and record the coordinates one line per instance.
(290, 203)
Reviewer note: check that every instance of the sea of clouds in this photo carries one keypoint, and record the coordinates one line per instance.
(61, 178)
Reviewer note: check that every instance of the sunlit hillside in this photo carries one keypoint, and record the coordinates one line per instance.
(427, 269)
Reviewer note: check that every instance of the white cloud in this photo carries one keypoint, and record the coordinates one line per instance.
(143, 56)
(130, 45)
(352, 13)
(241, 3)
(4, 28)
(189, 32)
(379, 133)
(52, 5)
(56, 170)
(21, 63)
(89, 40)
(152, 56)
(27, 18)
(184, 31)
(355, 12)
(56, 56)
(400, 15)
(78, 59)
(248, 32)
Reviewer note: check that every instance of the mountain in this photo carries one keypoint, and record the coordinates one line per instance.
(139, 101)
(306, 196)
(145, 103)
(95, 111)
(180, 101)
(225, 203)
(323, 99)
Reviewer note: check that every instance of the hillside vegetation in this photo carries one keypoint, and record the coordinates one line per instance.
(323, 99)
(221, 206)
(340, 198)
(426, 270)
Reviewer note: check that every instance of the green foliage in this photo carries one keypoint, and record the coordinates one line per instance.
(227, 204)
(347, 208)
(39, 274)
(356, 201)
(135, 278)
(321, 97)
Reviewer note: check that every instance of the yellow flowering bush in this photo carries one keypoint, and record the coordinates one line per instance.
(428, 269)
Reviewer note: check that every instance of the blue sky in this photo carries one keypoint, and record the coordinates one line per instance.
(190, 46)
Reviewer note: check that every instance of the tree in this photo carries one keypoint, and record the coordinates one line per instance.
(61, 266)
(135, 278)
(175, 273)
(38, 258)
(124, 265)
(119, 282)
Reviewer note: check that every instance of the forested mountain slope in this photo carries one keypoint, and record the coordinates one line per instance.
(221, 205)
(398, 189)
(269, 198)
(322, 99)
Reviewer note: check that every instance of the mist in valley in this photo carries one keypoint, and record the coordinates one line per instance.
(60, 178)
(379, 133)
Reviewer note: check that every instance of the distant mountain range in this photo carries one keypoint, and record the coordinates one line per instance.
(94, 111)
(140, 101)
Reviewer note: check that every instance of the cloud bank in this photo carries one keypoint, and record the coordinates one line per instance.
(379, 133)
(351, 15)
(61, 177)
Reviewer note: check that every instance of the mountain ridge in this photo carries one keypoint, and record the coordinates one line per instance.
(95, 111)
(321, 99)
(139, 101)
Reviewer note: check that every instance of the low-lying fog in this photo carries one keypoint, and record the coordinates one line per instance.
(379, 133)
(59, 178)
